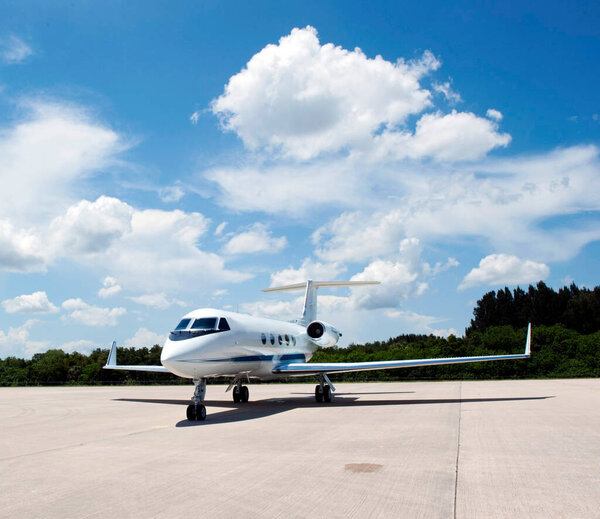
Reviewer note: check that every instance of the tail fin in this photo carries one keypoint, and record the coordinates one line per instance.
(309, 312)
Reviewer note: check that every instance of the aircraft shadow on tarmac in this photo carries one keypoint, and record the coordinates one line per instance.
(239, 412)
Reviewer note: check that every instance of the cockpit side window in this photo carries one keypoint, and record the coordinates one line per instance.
(183, 324)
(205, 323)
(223, 324)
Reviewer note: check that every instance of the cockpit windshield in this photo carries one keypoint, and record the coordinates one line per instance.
(205, 323)
(198, 327)
(183, 324)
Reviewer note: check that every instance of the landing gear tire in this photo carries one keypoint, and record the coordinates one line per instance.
(318, 393)
(236, 394)
(196, 412)
(326, 393)
(244, 394)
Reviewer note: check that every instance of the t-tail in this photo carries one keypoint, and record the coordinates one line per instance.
(309, 312)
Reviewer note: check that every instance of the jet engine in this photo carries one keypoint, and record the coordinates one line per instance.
(323, 334)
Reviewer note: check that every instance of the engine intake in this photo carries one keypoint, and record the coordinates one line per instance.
(323, 334)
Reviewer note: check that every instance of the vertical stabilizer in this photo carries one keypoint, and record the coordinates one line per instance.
(309, 311)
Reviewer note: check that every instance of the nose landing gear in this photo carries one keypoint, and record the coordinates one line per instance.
(196, 411)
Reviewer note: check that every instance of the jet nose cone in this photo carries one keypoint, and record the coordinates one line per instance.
(168, 353)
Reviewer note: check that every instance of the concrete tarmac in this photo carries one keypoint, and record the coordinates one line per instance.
(424, 449)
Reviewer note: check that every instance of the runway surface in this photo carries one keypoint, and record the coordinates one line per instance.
(425, 449)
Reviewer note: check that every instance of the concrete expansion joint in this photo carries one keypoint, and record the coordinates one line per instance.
(457, 449)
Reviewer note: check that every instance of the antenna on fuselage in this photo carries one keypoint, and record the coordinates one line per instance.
(309, 311)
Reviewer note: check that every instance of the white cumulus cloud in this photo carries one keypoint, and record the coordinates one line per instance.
(254, 240)
(42, 156)
(91, 227)
(456, 136)
(36, 303)
(21, 250)
(494, 114)
(90, 315)
(146, 249)
(144, 338)
(157, 300)
(504, 269)
(304, 98)
(81, 345)
(401, 278)
(16, 341)
(110, 287)
(513, 203)
(359, 236)
(308, 270)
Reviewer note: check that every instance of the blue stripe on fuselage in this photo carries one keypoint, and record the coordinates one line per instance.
(255, 358)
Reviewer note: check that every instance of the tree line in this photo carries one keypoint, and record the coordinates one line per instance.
(574, 308)
(565, 343)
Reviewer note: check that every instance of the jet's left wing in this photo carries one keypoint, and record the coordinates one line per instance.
(111, 363)
(309, 368)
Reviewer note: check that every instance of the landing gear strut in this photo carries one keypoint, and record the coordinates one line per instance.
(240, 392)
(196, 411)
(323, 391)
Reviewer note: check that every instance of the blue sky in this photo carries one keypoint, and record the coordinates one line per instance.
(156, 158)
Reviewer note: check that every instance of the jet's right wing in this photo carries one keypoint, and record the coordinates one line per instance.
(111, 363)
(313, 368)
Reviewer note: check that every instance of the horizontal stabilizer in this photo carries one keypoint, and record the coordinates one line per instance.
(317, 284)
(309, 311)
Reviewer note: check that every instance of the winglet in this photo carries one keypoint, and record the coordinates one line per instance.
(112, 355)
(528, 343)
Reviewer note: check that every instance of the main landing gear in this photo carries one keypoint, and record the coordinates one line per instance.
(323, 391)
(240, 392)
(196, 411)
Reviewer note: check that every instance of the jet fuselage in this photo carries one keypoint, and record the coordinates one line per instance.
(250, 345)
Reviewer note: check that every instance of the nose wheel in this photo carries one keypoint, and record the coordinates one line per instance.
(196, 410)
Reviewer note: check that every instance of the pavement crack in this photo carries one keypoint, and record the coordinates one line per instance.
(457, 449)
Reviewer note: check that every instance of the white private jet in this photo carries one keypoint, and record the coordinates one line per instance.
(210, 343)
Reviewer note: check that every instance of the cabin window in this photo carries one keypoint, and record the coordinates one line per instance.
(183, 324)
(287, 339)
(223, 324)
(272, 339)
(205, 323)
(293, 340)
(263, 338)
(280, 340)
